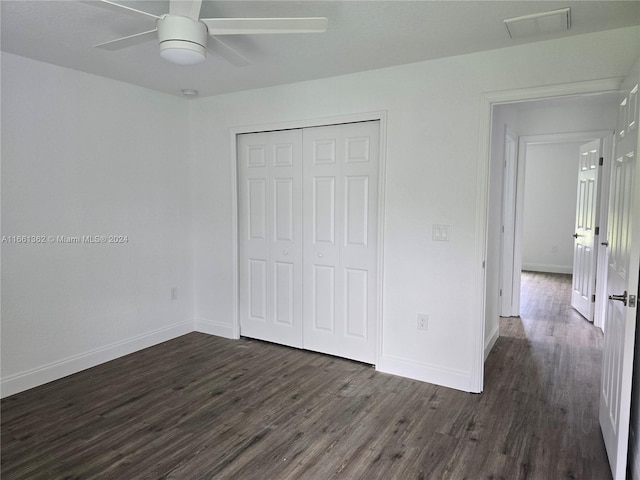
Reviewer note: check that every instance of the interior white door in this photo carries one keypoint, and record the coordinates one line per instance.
(622, 281)
(270, 236)
(340, 230)
(584, 253)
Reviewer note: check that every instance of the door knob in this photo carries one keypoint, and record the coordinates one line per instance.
(605, 244)
(575, 235)
(320, 254)
(621, 298)
(285, 252)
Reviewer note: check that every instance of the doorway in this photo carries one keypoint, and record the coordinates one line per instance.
(539, 193)
(558, 217)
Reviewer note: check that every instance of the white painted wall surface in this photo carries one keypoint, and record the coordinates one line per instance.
(551, 180)
(83, 155)
(567, 114)
(560, 115)
(432, 155)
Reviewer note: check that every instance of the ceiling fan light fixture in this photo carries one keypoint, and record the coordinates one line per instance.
(182, 53)
(182, 39)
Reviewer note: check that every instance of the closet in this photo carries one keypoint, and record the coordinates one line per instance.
(307, 231)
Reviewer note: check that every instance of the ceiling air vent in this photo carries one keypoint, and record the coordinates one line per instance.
(555, 21)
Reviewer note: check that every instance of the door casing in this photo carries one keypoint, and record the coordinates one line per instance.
(482, 296)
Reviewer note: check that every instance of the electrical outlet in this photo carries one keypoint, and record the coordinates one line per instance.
(174, 293)
(423, 321)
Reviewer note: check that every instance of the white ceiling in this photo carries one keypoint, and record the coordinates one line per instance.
(362, 35)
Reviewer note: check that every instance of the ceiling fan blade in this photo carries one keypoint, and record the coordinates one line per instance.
(128, 41)
(116, 7)
(217, 46)
(244, 26)
(185, 8)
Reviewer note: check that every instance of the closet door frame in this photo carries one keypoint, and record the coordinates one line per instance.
(381, 117)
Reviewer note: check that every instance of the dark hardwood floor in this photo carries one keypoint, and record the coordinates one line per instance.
(201, 407)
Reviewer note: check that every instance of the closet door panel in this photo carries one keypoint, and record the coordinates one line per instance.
(270, 236)
(340, 181)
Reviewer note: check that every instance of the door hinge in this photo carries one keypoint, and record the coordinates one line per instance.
(597, 230)
(601, 161)
(632, 301)
(593, 298)
(500, 292)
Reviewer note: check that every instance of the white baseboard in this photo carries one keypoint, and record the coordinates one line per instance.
(55, 370)
(446, 377)
(540, 267)
(215, 328)
(491, 341)
(634, 452)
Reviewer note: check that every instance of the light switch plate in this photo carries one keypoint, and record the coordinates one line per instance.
(441, 233)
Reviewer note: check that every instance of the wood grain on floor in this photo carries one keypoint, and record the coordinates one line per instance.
(202, 407)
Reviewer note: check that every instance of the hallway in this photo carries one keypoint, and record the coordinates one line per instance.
(549, 362)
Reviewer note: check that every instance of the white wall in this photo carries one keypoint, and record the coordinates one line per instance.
(431, 177)
(567, 114)
(83, 155)
(553, 116)
(551, 179)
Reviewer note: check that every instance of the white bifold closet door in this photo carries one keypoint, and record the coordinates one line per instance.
(270, 236)
(340, 231)
(308, 233)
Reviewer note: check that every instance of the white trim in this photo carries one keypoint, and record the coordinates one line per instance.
(481, 243)
(491, 341)
(570, 137)
(604, 179)
(507, 240)
(540, 267)
(379, 116)
(551, 91)
(307, 123)
(61, 368)
(382, 175)
(487, 100)
(235, 251)
(446, 377)
(211, 327)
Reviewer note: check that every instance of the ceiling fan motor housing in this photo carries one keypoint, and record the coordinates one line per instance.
(182, 34)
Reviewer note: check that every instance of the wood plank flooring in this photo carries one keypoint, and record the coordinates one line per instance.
(201, 407)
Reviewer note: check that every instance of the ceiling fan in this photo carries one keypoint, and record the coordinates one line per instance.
(183, 35)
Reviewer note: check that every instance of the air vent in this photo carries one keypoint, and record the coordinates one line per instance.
(538, 24)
